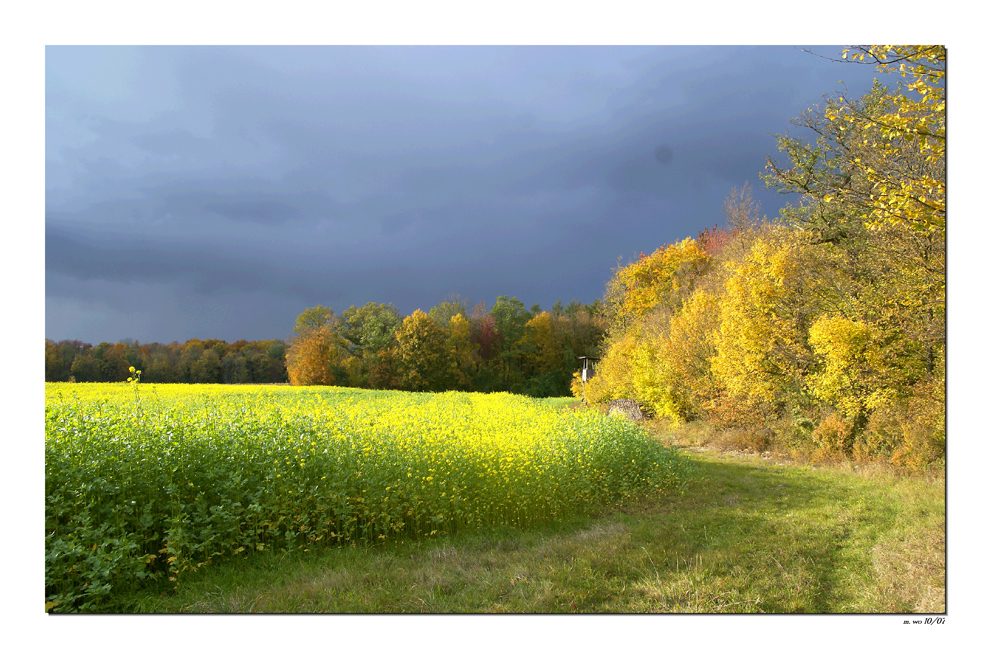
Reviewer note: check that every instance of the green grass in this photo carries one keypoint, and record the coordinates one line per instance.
(557, 403)
(748, 535)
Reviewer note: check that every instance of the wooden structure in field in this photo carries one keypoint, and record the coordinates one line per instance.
(587, 367)
(587, 372)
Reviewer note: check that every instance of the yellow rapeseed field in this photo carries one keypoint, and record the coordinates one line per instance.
(148, 481)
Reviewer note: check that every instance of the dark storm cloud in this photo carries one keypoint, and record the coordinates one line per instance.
(233, 180)
(203, 268)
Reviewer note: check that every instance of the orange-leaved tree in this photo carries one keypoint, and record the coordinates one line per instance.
(317, 351)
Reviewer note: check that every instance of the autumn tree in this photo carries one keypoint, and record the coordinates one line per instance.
(545, 355)
(543, 344)
(671, 369)
(871, 192)
(423, 360)
(370, 328)
(463, 353)
(881, 156)
(661, 280)
(827, 324)
(383, 370)
(906, 137)
(484, 332)
(876, 165)
(313, 318)
(316, 353)
(852, 377)
(488, 342)
(614, 374)
(761, 346)
(448, 308)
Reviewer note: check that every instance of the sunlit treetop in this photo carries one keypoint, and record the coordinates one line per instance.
(660, 279)
(911, 127)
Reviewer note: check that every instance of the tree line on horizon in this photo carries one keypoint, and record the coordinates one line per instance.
(505, 348)
(195, 361)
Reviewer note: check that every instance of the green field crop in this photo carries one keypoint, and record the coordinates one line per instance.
(144, 483)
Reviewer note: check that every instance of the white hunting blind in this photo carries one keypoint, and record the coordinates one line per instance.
(587, 372)
(587, 367)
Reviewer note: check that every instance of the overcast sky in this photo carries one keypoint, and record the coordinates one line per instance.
(216, 192)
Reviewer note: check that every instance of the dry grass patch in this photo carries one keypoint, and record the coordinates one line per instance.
(911, 571)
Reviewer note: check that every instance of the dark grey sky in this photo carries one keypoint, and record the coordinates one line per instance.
(216, 192)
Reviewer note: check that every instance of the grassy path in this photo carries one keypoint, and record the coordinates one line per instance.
(747, 535)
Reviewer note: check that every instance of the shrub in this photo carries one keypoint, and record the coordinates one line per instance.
(833, 437)
(909, 432)
(726, 412)
(613, 378)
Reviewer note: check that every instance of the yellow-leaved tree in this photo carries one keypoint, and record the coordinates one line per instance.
(613, 376)
(852, 376)
(877, 160)
(543, 344)
(671, 369)
(872, 190)
(661, 280)
(905, 138)
(640, 299)
(421, 351)
(760, 344)
(463, 353)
